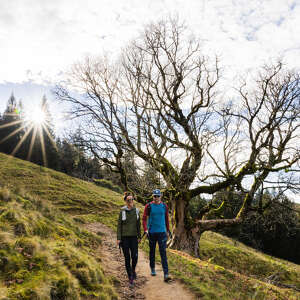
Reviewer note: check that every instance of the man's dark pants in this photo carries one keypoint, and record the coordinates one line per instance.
(161, 239)
(130, 250)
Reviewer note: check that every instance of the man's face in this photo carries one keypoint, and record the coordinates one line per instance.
(156, 198)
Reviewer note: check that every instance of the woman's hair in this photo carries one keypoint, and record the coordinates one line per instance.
(126, 194)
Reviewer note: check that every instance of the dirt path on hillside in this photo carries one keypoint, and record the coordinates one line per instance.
(146, 286)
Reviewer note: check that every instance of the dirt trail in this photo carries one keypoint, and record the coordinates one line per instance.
(146, 287)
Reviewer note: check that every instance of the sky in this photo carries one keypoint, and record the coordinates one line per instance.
(40, 40)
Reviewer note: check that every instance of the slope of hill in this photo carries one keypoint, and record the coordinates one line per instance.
(225, 271)
(235, 256)
(45, 253)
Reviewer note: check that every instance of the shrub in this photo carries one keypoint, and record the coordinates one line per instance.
(28, 245)
(24, 294)
(8, 215)
(20, 229)
(108, 184)
(62, 289)
(42, 229)
(5, 195)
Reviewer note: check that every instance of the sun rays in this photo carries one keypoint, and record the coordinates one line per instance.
(34, 125)
(37, 117)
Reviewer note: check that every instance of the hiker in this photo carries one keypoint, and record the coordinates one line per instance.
(129, 234)
(156, 226)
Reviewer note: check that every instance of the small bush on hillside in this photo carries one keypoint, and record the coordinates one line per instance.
(5, 194)
(5, 240)
(27, 245)
(108, 184)
(25, 294)
(20, 229)
(63, 289)
(7, 215)
(42, 229)
(20, 191)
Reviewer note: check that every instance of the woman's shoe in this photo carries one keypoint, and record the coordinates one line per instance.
(134, 275)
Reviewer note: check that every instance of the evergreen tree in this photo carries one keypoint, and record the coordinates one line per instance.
(49, 137)
(40, 144)
(11, 127)
(68, 157)
(276, 231)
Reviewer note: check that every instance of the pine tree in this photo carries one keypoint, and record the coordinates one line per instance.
(68, 157)
(11, 127)
(49, 136)
(40, 144)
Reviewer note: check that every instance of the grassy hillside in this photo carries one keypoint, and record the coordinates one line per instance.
(230, 270)
(45, 254)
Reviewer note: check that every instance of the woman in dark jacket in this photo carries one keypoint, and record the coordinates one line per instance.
(129, 234)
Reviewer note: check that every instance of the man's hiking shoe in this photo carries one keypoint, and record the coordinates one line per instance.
(167, 278)
(153, 273)
(131, 280)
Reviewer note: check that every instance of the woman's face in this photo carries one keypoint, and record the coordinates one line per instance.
(129, 201)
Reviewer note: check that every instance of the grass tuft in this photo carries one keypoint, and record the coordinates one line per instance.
(5, 194)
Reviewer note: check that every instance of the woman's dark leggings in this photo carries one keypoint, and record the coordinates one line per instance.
(130, 250)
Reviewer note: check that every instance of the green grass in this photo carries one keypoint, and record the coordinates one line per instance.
(208, 280)
(45, 253)
(237, 257)
(67, 193)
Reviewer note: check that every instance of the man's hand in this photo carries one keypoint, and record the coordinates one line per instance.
(118, 242)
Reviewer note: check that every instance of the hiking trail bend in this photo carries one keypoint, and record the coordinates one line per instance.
(146, 286)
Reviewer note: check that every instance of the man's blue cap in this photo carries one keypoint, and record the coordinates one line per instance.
(156, 192)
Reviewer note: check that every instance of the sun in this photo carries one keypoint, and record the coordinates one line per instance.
(34, 122)
(37, 117)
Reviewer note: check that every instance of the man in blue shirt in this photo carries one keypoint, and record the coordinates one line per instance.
(156, 226)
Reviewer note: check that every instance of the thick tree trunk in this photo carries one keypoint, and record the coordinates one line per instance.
(184, 237)
(186, 240)
(187, 232)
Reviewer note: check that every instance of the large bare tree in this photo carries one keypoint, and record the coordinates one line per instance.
(164, 101)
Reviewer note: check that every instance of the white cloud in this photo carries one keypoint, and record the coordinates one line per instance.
(39, 39)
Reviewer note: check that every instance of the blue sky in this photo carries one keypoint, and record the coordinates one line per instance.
(31, 94)
(40, 40)
(26, 91)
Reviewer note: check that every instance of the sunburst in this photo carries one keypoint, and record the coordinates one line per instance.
(36, 117)
(31, 120)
